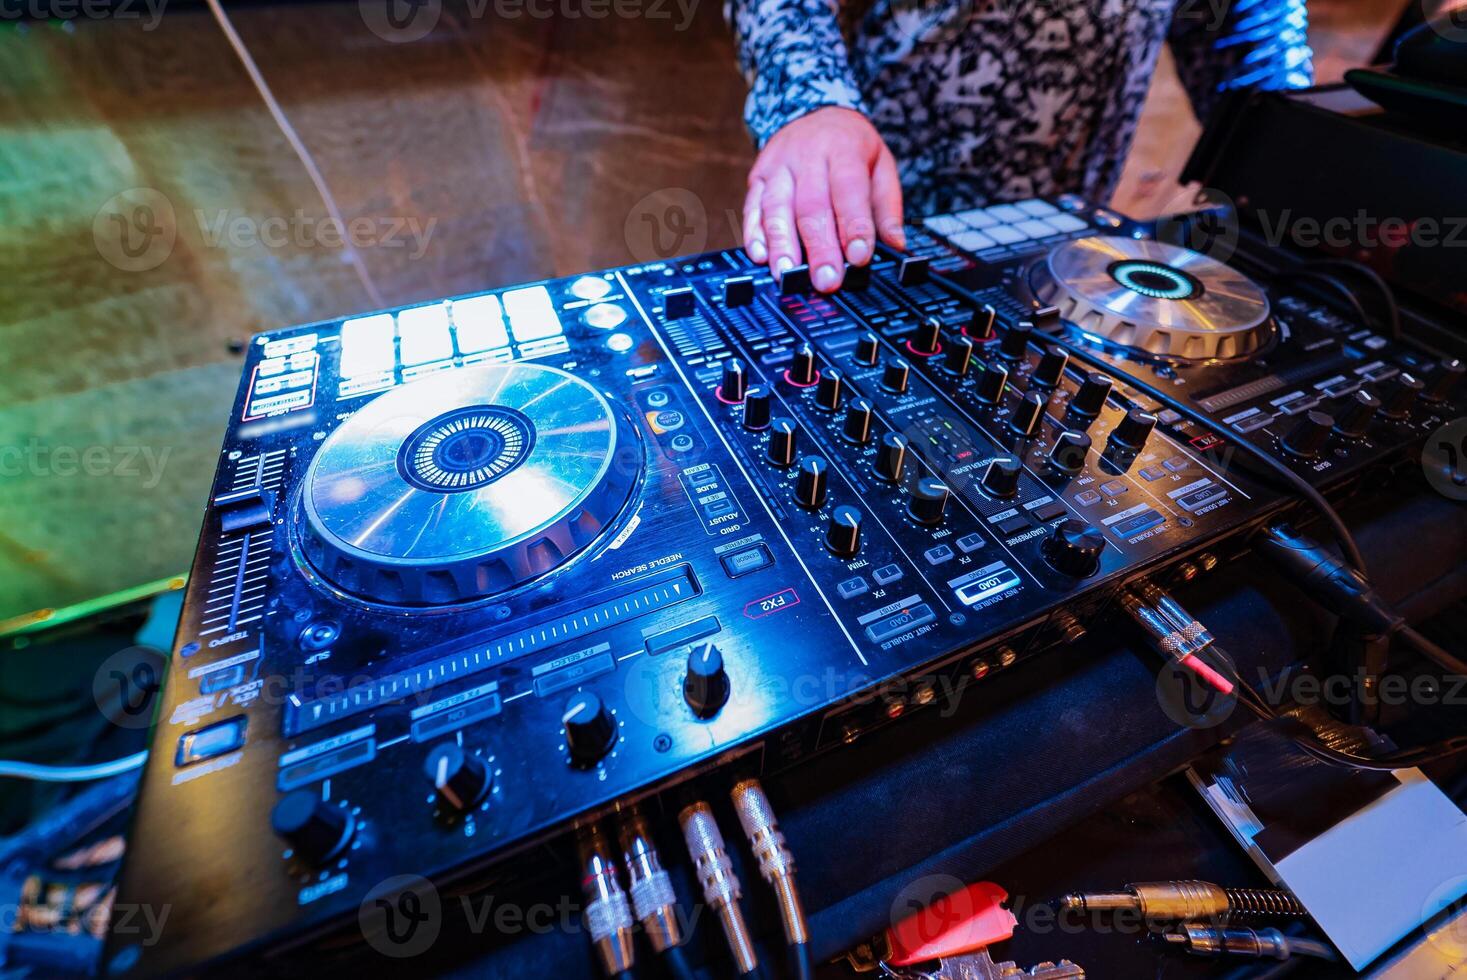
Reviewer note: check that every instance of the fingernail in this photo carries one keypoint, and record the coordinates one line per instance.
(757, 251)
(826, 278)
(858, 251)
(784, 264)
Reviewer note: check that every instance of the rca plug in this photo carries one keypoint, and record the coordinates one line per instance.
(607, 914)
(653, 900)
(776, 861)
(1191, 628)
(1169, 641)
(719, 884)
(1188, 901)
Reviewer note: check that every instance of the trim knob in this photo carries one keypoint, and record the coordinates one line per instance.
(843, 535)
(928, 502)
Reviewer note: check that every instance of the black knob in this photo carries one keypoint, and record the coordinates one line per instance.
(991, 384)
(802, 369)
(678, 303)
(756, 408)
(959, 355)
(832, 387)
(868, 349)
(928, 501)
(896, 375)
(738, 291)
(1352, 419)
(891, 457)
(1090, 399)
(980, 327)
(705, 685)
(1015, 341)
(1073, 547)
(795, 280)
(859, 413)
(1401, 397)
(735, 381)
(1001, 479)
(810, 483)
(1132, 431)
(590, 731)
(1069, 452)
(1443, 381)
(1051, 367)
(913, 271)
(460, 777)
(928, 338)
(1028, 413)
(1309, 434)
(784, 434)
(316, 831)
(843, 536)
(858, 278)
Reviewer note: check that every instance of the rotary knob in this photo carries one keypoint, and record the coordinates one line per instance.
(1028, 413)
(1001, 479)
(1443, 382)
(757, 406)
(991, 384)
(1398, 401)
(1131, 432)
(1309, 435)
(1015, 341)
(928, 502)
(1352, 419)
(1090, 399)
(784, 434)
(843, 536)
(832, 387)
(316, 831)
(735, 381)
(980, 327)
(857, 427)
(705, 685)
(1073, 548)
(802, 370)
(811, 481)
(1069, 452)
(868, 349)
(1051, 367)
(891, 457)
(928, 338)
(896, 375)
(460, 778)
(959, 355)
(590, 731)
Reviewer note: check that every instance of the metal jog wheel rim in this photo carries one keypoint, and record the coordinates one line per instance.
(1155, 299)
(466, 484)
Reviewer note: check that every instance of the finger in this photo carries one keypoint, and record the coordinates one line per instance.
(886, 195)
(778, 205)
(850, 192)
(754, 243)
(815, 219)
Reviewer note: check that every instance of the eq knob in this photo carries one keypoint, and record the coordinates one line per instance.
(843, 536)
(895, 375)
(1028, 413)
(735, 381)
(1443, 382)
(757, 406)
(1051, 367)
(868, 349)
(705, 685)
(891, 457)
(784, 434)
(1073, 548)
(857, 427)
(1132, 431)
(831, 389)
(1069, 452)
(802, 370)
(811, 481)
(1016, 340)
(980, 327)
(1309, 434)
(1352, 419)
(316, 830)
(1398, 401)
(1001, 479)
(991, 384)
(461, 779)
(1090, 399)
(928, 501)
(959, 355)
(590, 731)
(928, 338)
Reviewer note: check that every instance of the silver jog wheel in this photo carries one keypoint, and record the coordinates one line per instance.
(1155, 299)
(466, 484)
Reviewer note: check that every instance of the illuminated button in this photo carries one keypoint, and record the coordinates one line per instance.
(973, 241)
(218, 680)
(531, 314)
(479, 323)
(606, 316)
(1007, 213)
(908, 619)
(424, 334)
(977, 218)
(590, 287)
(1005, 235)
(1066, 223)
(213, 740)
(1034, 228)
(367, 345)
(1036, 208)
(620, 343)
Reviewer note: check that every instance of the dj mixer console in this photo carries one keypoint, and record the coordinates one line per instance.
(476, 569)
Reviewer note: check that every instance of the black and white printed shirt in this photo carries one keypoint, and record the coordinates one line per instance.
(995, 100)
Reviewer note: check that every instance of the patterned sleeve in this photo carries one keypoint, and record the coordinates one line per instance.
(1240, 44)
(795, 59)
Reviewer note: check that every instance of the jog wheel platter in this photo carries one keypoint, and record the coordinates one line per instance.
(1155, 299)
(464, 486)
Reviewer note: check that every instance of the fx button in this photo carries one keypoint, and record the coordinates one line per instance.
(939, 554)
(970, 543)
(853, 587)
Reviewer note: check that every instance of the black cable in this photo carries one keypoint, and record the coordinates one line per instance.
(1339, 287)
(800, 957)
(1431, 651)
(676, 962)
(1393, 309)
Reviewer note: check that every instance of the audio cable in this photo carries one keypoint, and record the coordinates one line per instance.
(1189, 901)
(607, 914)
(777, 866)
(653, 900)
(1202, 940)
(720, 886)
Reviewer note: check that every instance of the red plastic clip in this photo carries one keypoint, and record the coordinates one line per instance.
(954, 924)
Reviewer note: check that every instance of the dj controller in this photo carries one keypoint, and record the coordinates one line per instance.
(478, 570)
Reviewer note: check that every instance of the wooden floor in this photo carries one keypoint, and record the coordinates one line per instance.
(487, 152)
